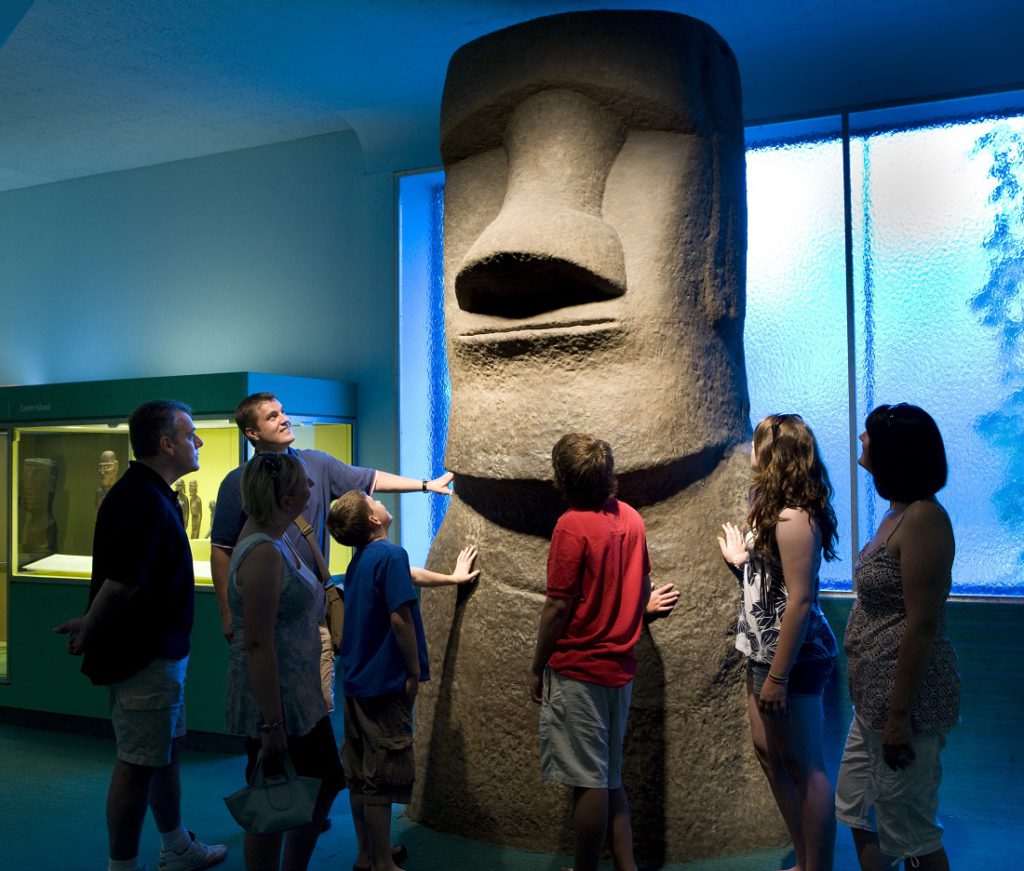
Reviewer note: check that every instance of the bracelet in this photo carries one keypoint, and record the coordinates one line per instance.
(778, 679)
(424, 485)
(269, 727)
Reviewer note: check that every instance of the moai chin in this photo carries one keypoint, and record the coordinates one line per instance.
(594, 245)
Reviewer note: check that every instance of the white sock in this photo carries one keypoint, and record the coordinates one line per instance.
(123, 864)
(175, 841)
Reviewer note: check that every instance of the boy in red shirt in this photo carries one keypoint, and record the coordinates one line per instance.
(598, 586)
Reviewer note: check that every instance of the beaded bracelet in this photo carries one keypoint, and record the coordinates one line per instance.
(269, 727)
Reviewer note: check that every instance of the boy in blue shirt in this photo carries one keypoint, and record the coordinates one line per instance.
(383, 659)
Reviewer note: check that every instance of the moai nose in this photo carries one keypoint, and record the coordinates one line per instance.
(549, 247)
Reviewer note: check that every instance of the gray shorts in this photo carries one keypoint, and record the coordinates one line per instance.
(582, 726)
(148, 712)
(900, 805)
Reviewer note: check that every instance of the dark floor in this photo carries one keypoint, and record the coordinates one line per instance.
(53, 784)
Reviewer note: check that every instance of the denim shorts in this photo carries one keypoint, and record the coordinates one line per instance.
(148, 712)
(582, 726)
(900, 805)
(807, 678)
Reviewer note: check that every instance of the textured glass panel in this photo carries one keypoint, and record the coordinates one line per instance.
(938, 239)
(423, 367)
(795, 336)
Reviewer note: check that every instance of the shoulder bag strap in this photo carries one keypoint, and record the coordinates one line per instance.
(321, 563)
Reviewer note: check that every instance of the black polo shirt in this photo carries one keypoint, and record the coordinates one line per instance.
(140, 541)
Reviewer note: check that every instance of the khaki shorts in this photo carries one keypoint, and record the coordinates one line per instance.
(377, 751)
(900, 805)
(148, 712)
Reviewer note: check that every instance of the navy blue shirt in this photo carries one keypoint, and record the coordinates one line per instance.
(331, 478)
(377, 583)
(140, 541)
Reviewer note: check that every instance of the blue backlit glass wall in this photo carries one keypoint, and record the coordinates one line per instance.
(938, 253)
(899, 279)
(795, 334)
(423, 363)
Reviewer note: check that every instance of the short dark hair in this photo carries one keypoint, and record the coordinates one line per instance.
(905, 452)
(150, 422)
(247, 411)
(348, 521)
(584, 470)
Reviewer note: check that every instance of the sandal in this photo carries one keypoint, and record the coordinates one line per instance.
(398, 856)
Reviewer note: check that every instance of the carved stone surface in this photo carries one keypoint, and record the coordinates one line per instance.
(594, 281)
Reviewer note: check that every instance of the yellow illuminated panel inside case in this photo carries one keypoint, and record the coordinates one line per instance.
(4, 574)
(335, 439)
(63, 473)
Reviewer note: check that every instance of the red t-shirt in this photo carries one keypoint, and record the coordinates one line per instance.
(599, 560)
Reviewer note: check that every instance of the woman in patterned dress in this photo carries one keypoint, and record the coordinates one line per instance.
(902, 668)
(789, 646)
(275, 697)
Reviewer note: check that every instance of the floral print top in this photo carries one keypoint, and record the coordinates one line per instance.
(762, 605)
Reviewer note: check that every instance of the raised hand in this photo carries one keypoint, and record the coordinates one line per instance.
(733, 547)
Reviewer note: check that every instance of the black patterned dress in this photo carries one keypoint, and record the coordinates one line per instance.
(873, 635)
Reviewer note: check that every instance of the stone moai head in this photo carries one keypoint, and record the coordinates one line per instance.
(107, 469)
(594, 240)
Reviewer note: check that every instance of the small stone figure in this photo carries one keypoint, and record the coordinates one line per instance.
(213, 510)
(108, 468)
(179, 488)
(195, 507)
(38, 525)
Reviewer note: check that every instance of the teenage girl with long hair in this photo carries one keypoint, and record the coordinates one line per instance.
(790, 649)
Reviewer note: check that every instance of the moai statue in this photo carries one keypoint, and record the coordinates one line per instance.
(594, 245)
(179, 490)
(213, 512)
(107, 469)
(38, 525)
(195, 508)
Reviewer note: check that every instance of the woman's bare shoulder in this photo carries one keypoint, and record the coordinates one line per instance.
(925, 521)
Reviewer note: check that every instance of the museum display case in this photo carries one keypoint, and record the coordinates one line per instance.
(3, 558)
(60, 475)
(62, 447)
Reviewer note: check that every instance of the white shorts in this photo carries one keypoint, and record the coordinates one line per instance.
(900, 805)
(582, 726)
(148, 712)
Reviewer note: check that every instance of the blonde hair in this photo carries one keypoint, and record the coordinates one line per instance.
(266, 479)
(789, 473)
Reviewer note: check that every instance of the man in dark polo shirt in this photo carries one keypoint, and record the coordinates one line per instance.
(134, 636)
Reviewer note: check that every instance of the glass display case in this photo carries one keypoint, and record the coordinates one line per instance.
(3, 558)
(62, 473)
(68, 444)
(63, 446)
